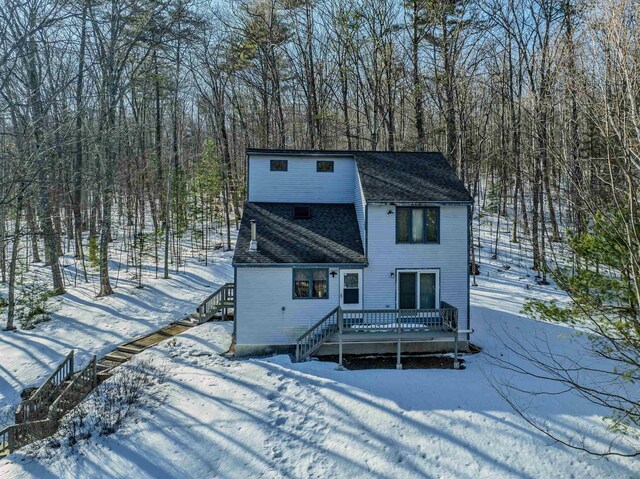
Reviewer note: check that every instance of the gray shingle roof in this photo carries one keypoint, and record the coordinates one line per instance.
(409, 177)
(389, 176)
(330, 236)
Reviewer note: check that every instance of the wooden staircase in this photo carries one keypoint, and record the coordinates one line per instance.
(317, 335)
(37, 417)
(218, 305)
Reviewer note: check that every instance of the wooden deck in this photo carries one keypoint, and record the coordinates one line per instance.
(379, 326)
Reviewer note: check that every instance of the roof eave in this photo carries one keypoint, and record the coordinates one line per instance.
(419, 203)
(293, 265)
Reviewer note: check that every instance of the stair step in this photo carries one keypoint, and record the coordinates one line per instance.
(103, 376)
(127, 348)
(118, 356)
(185, 322)
(105, 363)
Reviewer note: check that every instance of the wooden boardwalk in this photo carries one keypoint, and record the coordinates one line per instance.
(126, 351)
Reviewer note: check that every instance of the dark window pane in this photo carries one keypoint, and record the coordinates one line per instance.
(324, 166)
(279, 165)
(407, 285)
(433, 220)
(301, 283)
(402, 225)
(417, 225)
(319, 283)
(351, 296)
(427, 290)
(302, 212)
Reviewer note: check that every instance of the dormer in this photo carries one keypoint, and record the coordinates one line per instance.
(300, 177)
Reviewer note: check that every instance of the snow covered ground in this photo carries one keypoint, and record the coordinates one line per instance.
(91, 325)
(268, 417)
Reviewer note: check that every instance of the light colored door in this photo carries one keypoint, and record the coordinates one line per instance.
(351, 288)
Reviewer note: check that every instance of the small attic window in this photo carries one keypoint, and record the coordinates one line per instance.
(279, 165)
(324, 166)
(302, 212)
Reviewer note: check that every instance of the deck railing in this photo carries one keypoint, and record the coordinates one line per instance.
(399, 320)
(37, 406)
(222, 298)
(370, 321)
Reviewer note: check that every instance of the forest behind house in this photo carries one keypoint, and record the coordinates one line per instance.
(134, 116)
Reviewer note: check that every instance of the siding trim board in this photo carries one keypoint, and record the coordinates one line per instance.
(420, 203)
(301, 265)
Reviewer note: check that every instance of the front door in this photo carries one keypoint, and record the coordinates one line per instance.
(418, 289)
(351, 288)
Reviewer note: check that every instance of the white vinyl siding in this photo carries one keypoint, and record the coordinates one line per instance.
(301, 183)
(386, 256)
(263, 292)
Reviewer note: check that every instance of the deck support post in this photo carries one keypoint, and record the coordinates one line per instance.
(456, 361)
(11, 439)
(340, 324)
(399, 360)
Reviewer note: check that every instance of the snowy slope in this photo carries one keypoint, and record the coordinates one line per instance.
(268, 417)
(91, 325)
(271, 418)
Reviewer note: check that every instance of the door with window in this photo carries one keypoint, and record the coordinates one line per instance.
(418, 289)
(351, 288)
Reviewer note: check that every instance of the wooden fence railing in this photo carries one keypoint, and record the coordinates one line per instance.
(37, 406)
(222, 298)
(83, 383)
(23, 433)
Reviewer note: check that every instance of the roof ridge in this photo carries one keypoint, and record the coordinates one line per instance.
(346, 152)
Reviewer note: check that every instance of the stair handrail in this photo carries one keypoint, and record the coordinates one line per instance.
(8, 438)
(37, 405)
(226, 292)
(305, 347)
(76, 391)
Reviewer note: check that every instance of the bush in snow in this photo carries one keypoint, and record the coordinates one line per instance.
(106, 409)
(32, 306)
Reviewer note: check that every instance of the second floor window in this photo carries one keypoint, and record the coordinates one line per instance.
(323, 166)
(418, 225)
(279, 165)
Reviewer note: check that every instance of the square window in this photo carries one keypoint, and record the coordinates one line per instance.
(310, 283)
(323, 166)
(418, 225)
(279, 165)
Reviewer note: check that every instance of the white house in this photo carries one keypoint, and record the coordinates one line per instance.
(352, 251)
